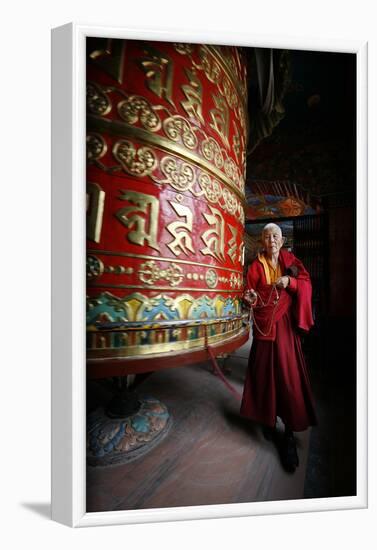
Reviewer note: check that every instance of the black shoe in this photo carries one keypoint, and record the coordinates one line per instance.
(288, 453)
(269, 433)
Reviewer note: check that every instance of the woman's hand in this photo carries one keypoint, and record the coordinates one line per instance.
(282, 282)
(251, 297)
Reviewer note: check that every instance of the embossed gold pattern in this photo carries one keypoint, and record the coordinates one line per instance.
(211, 278)
(214, 238)
(235, 182)
(194, 96)
(220, 119)
(180, 175)
(181, 230)
(235, 281)
(159, 287)
(136, 108)
(159, 348)
(141, 218)
(139, 162)
(160, 258)
(178, 128)
(94, 267)
(110, 56)
(95, 202)
(150, 272)
(96, 147)
(97, 100)
(197, 157)
(158, 69)
(232, 251)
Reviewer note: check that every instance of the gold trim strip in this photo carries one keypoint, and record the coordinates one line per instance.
(133, 351)
(225, 67)
(169, 288)
(123, 129)
(165, 325)
(146, 257)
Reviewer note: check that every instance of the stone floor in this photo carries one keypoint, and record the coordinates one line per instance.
(210, 456)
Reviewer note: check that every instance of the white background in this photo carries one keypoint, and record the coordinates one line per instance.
(25, 270)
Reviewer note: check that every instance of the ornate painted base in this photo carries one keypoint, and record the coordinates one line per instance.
(113, 441)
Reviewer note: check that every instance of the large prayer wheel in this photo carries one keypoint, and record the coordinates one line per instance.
(166, 139)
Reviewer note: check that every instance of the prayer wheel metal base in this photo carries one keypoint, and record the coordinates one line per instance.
(115, 441)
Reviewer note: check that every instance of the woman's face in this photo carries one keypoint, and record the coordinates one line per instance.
(272, 241)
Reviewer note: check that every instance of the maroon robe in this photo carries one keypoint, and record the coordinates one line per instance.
(277, 382)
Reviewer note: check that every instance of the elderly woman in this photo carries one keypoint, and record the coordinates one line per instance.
(277, 383)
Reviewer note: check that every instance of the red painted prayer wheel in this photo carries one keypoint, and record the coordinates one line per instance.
(166, 138)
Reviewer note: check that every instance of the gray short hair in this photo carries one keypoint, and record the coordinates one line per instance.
(272, 226)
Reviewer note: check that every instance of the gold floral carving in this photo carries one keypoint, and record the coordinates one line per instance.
(184, 49)
(211, 278)
(212, 152)
(212, 188)
(94, 267)
(139, 162)
(181, 176)
(136, 108)
(177, 128)
(97, 100)
(150, 272)
(181, 137)
(96, 146)
(235, 281)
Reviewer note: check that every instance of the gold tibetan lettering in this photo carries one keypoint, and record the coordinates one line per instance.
(181, 231)
(194, 94)
(220, 119)
(232, 252)
(108, 54)
(95, 200)
(214, 238)
(141, 219)
(158, 69)
(236, 140)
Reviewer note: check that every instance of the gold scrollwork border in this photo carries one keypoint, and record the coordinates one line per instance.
(217, 54)
(169, 288)
(134, 351)
(160, 258)
(119, 128)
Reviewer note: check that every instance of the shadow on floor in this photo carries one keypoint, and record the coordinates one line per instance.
(42, 509)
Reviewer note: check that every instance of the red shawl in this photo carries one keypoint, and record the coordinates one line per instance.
(297, 296)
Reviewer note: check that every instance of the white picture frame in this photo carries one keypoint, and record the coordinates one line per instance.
(68, 279)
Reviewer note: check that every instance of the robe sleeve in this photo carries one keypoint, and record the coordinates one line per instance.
(253, 276)
(292, 284)
(301, 287)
